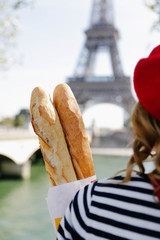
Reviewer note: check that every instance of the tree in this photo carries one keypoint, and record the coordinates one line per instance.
(9, 29)
(154, 5)
(22, 118)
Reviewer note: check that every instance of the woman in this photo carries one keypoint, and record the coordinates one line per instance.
(126, 207)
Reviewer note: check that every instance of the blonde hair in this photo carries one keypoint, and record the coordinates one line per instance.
(147, 135)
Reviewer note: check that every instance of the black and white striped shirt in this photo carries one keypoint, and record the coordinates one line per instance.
(108, 209)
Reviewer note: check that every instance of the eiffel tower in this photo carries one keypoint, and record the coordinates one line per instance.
(101, 36)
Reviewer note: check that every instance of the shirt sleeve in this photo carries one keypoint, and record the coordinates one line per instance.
(74, 224)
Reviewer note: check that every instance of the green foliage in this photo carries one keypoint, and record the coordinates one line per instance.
(154, 5)
(9, 27)
(19, 121)
(7, 122)
(22, 118)
(19, 4)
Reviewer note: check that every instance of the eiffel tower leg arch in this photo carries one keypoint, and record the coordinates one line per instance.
(103, 117)
(103, 120)
(109, 92)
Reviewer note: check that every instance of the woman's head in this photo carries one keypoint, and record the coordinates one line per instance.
(146, 137)
(146, 115)
(146, 127)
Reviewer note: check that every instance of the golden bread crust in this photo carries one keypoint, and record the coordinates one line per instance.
(46, 124)
(74, 130)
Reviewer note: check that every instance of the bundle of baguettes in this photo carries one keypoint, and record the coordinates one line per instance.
(62, 135)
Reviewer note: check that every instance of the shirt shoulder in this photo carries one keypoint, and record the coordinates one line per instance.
(139, 185)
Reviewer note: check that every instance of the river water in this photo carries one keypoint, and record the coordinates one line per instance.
(23, 209)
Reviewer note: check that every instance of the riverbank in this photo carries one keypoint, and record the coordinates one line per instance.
(121, 152)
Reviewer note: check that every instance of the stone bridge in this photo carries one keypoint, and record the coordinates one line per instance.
(17, 148)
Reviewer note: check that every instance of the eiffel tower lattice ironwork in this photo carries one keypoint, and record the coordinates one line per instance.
(101, 36)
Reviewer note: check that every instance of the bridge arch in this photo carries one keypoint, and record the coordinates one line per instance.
(9, 168)
(35, 156)
(16, 156)
(5, 157)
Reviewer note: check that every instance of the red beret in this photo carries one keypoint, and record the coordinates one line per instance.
(147, 82)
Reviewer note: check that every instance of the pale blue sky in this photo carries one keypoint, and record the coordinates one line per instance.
(50, 39)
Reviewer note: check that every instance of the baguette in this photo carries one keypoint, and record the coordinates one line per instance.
(46, 124)
(74, 130)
